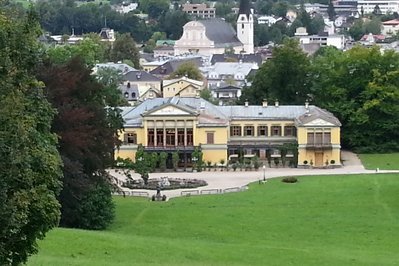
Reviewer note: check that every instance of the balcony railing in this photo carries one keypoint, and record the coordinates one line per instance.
(319, 145)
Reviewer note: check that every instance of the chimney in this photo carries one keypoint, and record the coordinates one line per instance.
(246, 103)
(264, 103)
(276, 103)
(307, 105)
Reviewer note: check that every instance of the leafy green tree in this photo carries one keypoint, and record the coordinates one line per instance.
(280, 8)
(30, 162)
(264, 7)
(143, 164)
(111, 79)
(284, 77)
(125, 48)
(187, 69)
(154, 8)
(163, 156)
(223, 9)
(206, 94)
(360, 87)
(172, 23)
(262, 34)
(91, 50)
(175, 160)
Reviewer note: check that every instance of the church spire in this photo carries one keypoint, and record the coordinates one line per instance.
(245, 7)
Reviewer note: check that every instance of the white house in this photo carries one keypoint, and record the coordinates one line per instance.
(268, 20)
(337, 40)
(214, 36)
(386, 6)
(232, 73)
(390, 27)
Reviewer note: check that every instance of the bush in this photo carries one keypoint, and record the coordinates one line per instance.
(305, 162)
(289, 179)
(332, 162)
(97, 208)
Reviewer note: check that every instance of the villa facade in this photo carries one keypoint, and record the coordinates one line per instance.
(304, 133)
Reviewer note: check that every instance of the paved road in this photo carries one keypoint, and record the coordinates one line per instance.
(224, 179)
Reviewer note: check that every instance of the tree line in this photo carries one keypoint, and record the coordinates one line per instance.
(59, 127)
(359, 86)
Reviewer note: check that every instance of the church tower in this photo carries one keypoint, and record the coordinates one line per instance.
(245, 26)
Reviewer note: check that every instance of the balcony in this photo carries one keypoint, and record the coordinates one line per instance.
(319, 145)
(169, 148)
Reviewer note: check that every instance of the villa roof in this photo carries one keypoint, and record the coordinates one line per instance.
(172, 65)
(220, 32)
(212, 115)
(245, 58)
(139, 76)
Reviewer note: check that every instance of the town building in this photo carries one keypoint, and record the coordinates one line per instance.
(303, 135)
(322, 39)
(182, 87)
(121, 68)
(390, 27)
(167, 68)
(215, 36)
(233, 73)
(244, 58)
(385, 6)
(147, 85)
(199, 10)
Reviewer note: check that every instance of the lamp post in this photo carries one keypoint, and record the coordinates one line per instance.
(264, 173)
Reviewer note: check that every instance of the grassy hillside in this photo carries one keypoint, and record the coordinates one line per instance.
(322, 220)
(388, 161)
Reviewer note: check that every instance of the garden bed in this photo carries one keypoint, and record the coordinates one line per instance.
(165, 184)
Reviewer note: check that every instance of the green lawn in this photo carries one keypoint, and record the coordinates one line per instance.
(322, 220)
(388, 161)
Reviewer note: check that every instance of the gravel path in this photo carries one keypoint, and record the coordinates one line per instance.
(228, 179)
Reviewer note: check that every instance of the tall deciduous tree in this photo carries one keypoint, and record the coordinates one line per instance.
(361, 87)
(124, 48)
(189, 70)
(30, 162)
(88, 134)
(284, 77)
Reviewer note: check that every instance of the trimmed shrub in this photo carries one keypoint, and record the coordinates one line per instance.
(289, 179)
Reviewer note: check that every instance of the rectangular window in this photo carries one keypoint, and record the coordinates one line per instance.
(180, 137)
(276, 131)
(327, 138)
(290, 131)
(249, 130)
(319, 138)
(160, 137)
(210, 138)
(151, 139)
(262, 131)
(310, 138)
(130, 138)
(190, 139)
(170, 137)
(235, 131)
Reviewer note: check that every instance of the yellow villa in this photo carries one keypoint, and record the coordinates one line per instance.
(183, 87)
(303, 135)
